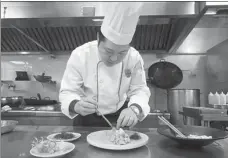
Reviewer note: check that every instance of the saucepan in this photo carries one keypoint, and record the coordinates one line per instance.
(215, 134)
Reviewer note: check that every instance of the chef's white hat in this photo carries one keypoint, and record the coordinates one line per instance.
(120, 21)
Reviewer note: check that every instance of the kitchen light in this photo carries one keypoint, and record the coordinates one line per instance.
(97, 20)
(24, 53)
(18, 62)
(211, 12)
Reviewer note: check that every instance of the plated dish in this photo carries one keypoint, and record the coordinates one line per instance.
(47, 148)
(117, 139)
(64, 136)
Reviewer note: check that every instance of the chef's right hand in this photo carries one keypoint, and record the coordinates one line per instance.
(85, 106)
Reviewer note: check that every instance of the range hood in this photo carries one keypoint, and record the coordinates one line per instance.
(62, 26)
(210, 35)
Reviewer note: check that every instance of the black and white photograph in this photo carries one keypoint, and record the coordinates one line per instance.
(114, 79)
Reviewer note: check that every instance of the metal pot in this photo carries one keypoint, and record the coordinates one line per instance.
(178, 98)
(14, 101)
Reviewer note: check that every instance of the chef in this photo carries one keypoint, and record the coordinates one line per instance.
(107, 75)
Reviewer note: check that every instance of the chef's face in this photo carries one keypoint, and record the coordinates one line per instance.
(111, 53)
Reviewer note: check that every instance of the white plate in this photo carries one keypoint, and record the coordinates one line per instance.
(101, 139)
(52, 137)
(65, 148)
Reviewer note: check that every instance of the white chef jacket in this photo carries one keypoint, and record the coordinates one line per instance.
(80, 80)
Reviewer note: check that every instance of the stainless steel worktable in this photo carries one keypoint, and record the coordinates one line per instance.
(18, 143)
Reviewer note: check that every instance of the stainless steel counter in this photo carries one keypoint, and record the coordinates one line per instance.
(53, 113)
(18, 144)
(54, 118)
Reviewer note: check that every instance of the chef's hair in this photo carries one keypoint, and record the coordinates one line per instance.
(101, 37)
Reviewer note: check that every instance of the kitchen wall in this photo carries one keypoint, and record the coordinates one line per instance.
(217, 74)
(193, 66)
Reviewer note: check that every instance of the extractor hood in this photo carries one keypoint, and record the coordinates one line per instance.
(63, 26)
(210, 35)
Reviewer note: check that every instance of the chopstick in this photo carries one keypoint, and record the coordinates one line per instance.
(105, 119)
(171, 126)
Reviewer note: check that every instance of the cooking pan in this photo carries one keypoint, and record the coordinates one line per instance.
(39, 101)
(165, 75)
(195, 130)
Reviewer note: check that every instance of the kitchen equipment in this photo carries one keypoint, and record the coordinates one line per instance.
(218, 106)
(196, 130)
(197, 111)
(14, 101)
(39, 96)
(171, 126)
(22, 76)
(39, 100)
(43, 78)
(8, 126)
(179, 98)
(35, 101)
(165, 75)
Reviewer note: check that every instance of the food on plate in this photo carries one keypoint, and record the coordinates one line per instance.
(64, 135)
(192, 136)
(119, 137)
(135, 136)
(45, 146)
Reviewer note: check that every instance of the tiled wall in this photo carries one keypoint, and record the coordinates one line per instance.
(193, 67)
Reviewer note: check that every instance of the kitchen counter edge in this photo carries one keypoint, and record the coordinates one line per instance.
(53, 113)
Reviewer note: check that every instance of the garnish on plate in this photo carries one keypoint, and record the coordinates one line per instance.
(64, 135)
(45, 146)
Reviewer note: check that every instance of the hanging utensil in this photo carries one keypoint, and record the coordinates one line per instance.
(165, 75)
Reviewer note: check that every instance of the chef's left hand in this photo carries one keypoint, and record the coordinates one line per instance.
(127, 118)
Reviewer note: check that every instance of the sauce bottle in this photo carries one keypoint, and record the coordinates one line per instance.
(217, 98)
(222, 99)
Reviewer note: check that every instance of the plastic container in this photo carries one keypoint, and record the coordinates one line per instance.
(211, 98)
(217, 99)
(222, 99)
(227, 98)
